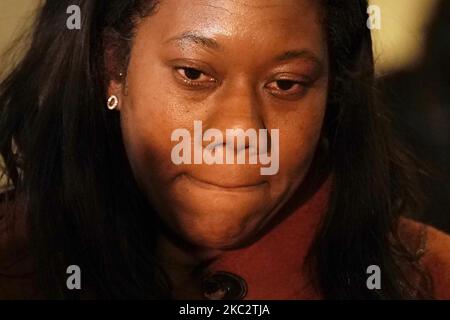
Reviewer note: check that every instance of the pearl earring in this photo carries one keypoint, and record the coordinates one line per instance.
(113, 102)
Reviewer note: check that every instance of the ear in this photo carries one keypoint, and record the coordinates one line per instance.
(117, 82)
(117, 88)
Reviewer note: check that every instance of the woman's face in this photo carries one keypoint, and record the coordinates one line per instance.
(231, 65)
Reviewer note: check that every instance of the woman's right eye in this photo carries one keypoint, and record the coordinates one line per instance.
(193, 77)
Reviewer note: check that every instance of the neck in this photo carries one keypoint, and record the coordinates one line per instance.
(281, 251)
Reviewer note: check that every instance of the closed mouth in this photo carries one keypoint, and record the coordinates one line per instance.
(231, 187)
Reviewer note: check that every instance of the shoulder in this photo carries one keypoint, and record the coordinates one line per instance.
(437, 261)
(433, 246)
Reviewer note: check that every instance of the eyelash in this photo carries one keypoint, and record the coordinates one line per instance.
(190, 82)
(303, 86)
(196, 84)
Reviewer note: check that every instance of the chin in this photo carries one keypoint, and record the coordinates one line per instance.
(218, 241)
(214, 229)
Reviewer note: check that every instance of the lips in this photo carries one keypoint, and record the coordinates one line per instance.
(244, 186)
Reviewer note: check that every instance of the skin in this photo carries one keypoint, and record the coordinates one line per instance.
(242, 50)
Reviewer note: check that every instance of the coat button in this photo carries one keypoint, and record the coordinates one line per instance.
(223, 285)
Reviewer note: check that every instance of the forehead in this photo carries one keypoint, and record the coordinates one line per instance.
(256, 23)
(241, 12)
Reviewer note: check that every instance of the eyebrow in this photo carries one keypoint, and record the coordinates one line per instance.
(296, 54)
(193, 37)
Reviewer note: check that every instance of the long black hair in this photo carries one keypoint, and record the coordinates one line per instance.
(63, 152)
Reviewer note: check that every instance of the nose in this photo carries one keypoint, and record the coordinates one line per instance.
(237, 109)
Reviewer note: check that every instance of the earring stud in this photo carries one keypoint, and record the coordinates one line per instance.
(113, 102)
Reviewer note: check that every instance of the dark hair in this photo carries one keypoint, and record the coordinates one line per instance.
(84, 206)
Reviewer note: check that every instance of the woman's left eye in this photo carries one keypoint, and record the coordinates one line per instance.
(286, 87)
(193, 77)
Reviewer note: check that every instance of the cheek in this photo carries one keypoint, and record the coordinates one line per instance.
(146, 134)
(300, 132)
(145, 152)
(148, 117)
